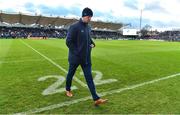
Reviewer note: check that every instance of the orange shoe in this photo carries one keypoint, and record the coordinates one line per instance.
(100, 101)
(69, 93)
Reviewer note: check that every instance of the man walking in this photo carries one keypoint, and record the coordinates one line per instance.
(80, 44)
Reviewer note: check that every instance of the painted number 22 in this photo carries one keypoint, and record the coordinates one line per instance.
(54, 88)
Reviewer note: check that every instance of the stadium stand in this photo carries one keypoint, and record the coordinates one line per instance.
(25, 26)
(18, 25)
(170, 35)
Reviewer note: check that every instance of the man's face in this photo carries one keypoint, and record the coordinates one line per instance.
(86, 19)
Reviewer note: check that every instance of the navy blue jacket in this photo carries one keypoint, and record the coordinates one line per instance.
(78, 41)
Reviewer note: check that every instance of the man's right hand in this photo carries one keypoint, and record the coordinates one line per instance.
(92, 45)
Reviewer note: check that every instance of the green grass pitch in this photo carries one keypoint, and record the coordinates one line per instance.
(32, 77)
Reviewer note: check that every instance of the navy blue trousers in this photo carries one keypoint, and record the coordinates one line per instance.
(88, 76)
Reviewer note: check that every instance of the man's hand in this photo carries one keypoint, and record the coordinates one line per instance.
(92, 45)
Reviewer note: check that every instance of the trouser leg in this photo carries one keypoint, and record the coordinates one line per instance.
(71, 72)
(89, 79)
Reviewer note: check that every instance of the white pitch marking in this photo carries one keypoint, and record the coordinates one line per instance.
(98, 78)
(54, 88)
(75, 78)
(67, 103)
(29, 60)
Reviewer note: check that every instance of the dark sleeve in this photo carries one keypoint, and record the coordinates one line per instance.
(70, 38)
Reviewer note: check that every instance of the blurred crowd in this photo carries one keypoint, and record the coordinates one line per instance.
(17, 32)
(20, 32)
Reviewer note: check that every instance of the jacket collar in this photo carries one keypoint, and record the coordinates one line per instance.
(85, 24)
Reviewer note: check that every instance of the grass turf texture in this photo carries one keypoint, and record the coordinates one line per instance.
(129, 62)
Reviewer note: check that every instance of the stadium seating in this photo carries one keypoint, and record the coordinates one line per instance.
(28, 26)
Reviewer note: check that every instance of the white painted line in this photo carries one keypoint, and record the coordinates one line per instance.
(22, 61)
(67, 103)
(51, 61)
(30, 60)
